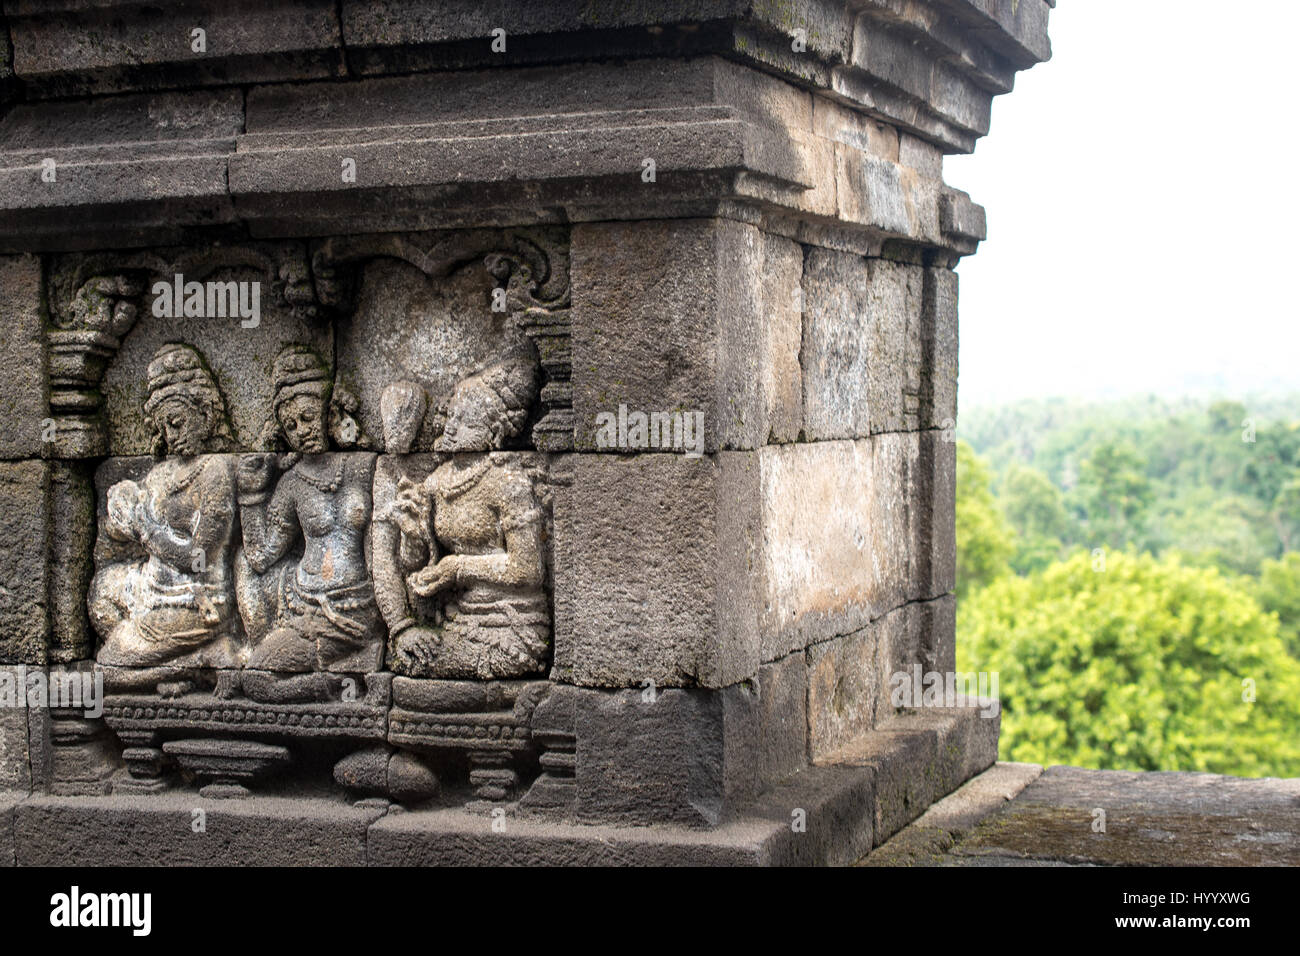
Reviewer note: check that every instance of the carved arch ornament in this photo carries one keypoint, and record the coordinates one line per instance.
(95, 299)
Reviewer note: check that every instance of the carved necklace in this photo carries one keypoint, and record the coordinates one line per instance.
(183, 476)
(458, 484)
(327, 485)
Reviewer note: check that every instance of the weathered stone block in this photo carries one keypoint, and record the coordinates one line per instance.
(920, 633)
(24, 386)
(859, 375)
(920, 756)
(781, 375)
(827, 815)
(959, 218)
(15, 759)
(843, 688)
(463, 838)
(126, 831)
(933, 552)
(665, 756)
(654, 571)
(885, 195)
(169, 171)
(88, 48)
(892, 495)
(782, 689)
(817, 571)
(822, 815)
(25, 529)
(836, 345)
(938, 395)
(852, 679)
(72, 540)
(665, 317)
(895, 298)
(838, 123)
(924, 157)
(841, 523)
(8, 802)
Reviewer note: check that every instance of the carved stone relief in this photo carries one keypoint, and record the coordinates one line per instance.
(168, 605)
(477, 522)
(279, 534)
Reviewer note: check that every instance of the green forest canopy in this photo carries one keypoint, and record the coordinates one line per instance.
(1132, 570)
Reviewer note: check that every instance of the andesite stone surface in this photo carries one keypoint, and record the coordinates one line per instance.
(1022, 815)
(517, 434)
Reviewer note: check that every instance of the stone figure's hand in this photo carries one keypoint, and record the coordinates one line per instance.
(406, 512)
(417, 649)
(122, 506)
(435, 577)
(255, 473)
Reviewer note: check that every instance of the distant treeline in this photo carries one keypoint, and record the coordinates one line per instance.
(1132, 569)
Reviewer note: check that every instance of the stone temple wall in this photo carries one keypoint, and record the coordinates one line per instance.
(535, 415)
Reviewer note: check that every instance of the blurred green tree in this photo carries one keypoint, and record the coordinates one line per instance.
(1114, 492)
(1145, 665)
(1278, 590)
(1036, 511)
(984, 540)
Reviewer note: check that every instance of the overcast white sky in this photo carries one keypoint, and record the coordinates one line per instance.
(1144, 222)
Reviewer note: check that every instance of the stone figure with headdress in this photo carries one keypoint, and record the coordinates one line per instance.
(302, 577)
(173, 608)
(478, 518)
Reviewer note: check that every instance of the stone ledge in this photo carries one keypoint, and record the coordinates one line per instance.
(918, 757)
(439, 152)
(277, 831)
(156, 830)
(925, 840)
(1151, 819)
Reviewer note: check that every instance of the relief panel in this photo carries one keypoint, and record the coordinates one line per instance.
(295, 511)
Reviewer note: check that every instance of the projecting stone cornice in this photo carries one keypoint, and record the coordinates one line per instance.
(930, 66)
(443, 150)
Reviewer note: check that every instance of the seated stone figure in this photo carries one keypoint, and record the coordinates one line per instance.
(173, 610)
(394, 555)
(311, 614)
(482, 525)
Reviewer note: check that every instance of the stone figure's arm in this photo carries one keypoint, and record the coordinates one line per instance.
(214, 519)
(166, 544)
(390, 587)
(392, 554)
(121, 506)
(269, 530)
(520, 565)
(412, 551)
(209, 526)
(411, 514)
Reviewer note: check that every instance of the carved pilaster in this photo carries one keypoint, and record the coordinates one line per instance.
(550, 331)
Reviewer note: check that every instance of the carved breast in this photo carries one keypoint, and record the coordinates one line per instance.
(175, 493)
(466, 515)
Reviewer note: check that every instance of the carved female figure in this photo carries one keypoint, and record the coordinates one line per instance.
(486, 566)
(312, 615)
(394, 555)
(174, 608)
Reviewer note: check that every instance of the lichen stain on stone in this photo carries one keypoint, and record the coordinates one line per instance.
(1139, 839)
